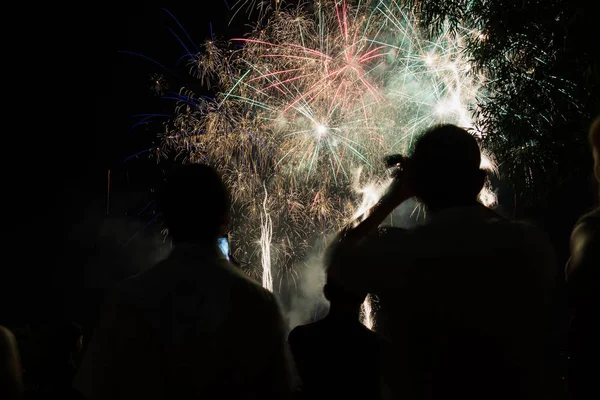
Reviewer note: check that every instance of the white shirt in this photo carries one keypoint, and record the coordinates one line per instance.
(192, 327)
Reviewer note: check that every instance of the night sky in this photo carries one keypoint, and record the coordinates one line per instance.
(69, 99)
(125, 86)
(74, 99)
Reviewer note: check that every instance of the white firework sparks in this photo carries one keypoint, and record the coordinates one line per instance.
(310, 96)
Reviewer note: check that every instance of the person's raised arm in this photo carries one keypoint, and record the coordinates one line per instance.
(400, 190)
(346, 259)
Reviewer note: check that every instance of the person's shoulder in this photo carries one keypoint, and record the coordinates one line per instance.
(253, 308)
(593, 215)
(297, 334)
(518, 237)
(387, 235)
(145, 287)
(247, 291)
(586, 233)
(522, 226)
(242, 281)
(7, 338)
(530, 237)
(589, 223)
(308, 329)
(585, 251)
(520, 229)
(307, 334)
(135, 287)
(5, 333)
(532, 248)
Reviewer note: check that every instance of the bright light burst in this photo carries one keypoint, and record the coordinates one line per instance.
(368, 313)
(266, 231)
(312, 95)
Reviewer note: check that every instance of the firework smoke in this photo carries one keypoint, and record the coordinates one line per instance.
(312, 95)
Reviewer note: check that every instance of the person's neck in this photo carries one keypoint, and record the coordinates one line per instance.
(345, 315)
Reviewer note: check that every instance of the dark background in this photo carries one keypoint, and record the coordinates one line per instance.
(69, 100)
(69, 97)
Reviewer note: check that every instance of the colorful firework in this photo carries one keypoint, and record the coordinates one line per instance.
(306, 107)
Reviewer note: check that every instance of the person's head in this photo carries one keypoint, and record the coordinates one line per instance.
(446, 162)
(343, 301)
(595, 142)
(195, 204)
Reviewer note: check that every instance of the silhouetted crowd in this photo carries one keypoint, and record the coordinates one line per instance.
(463, 301)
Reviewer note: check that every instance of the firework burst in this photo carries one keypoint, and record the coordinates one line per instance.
(314, 97)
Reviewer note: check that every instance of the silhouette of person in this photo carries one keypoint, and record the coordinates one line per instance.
(58, 364)
(462, 297)
(193, 326)
(11, 378)
(338, 357)
(583, 285)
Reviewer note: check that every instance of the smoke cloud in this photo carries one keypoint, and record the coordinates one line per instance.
(308, 304)
(113, 248)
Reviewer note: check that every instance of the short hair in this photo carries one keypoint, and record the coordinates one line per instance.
(194, 202)
(595, 134)
(447, 161)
